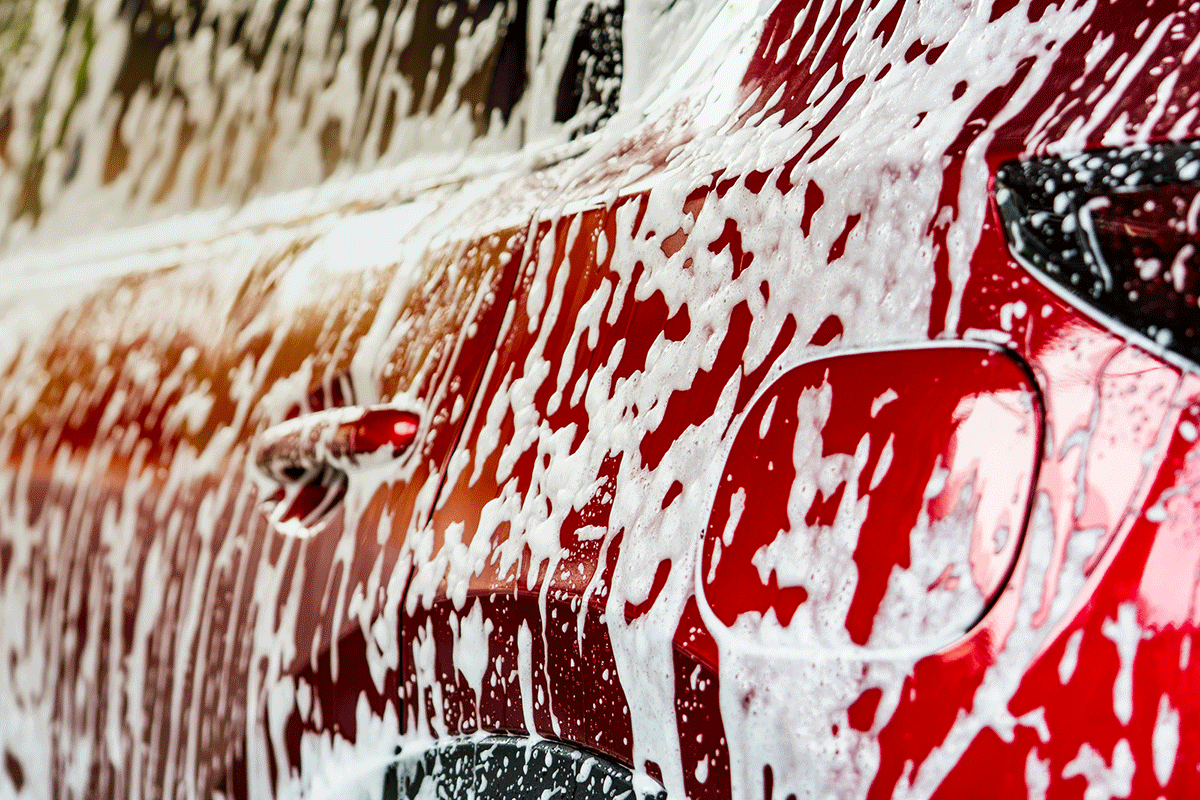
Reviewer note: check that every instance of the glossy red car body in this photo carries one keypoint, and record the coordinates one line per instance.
(738, 447)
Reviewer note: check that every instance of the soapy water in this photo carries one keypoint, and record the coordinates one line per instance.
(159, 622)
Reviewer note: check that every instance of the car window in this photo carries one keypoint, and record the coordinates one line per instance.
(155, 107)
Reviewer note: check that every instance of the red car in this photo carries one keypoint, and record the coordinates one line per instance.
(514, 399)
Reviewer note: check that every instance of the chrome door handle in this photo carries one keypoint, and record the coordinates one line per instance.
(310, 457)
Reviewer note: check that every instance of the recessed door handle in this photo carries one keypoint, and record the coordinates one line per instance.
(309, 458)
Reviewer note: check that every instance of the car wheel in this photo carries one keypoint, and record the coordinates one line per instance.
(513, 768)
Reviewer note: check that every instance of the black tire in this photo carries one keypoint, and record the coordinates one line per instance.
(510, 768)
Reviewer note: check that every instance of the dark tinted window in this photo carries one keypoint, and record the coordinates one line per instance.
(168, 106)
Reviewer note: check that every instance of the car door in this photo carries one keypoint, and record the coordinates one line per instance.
(158, 594)
(222, 426)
